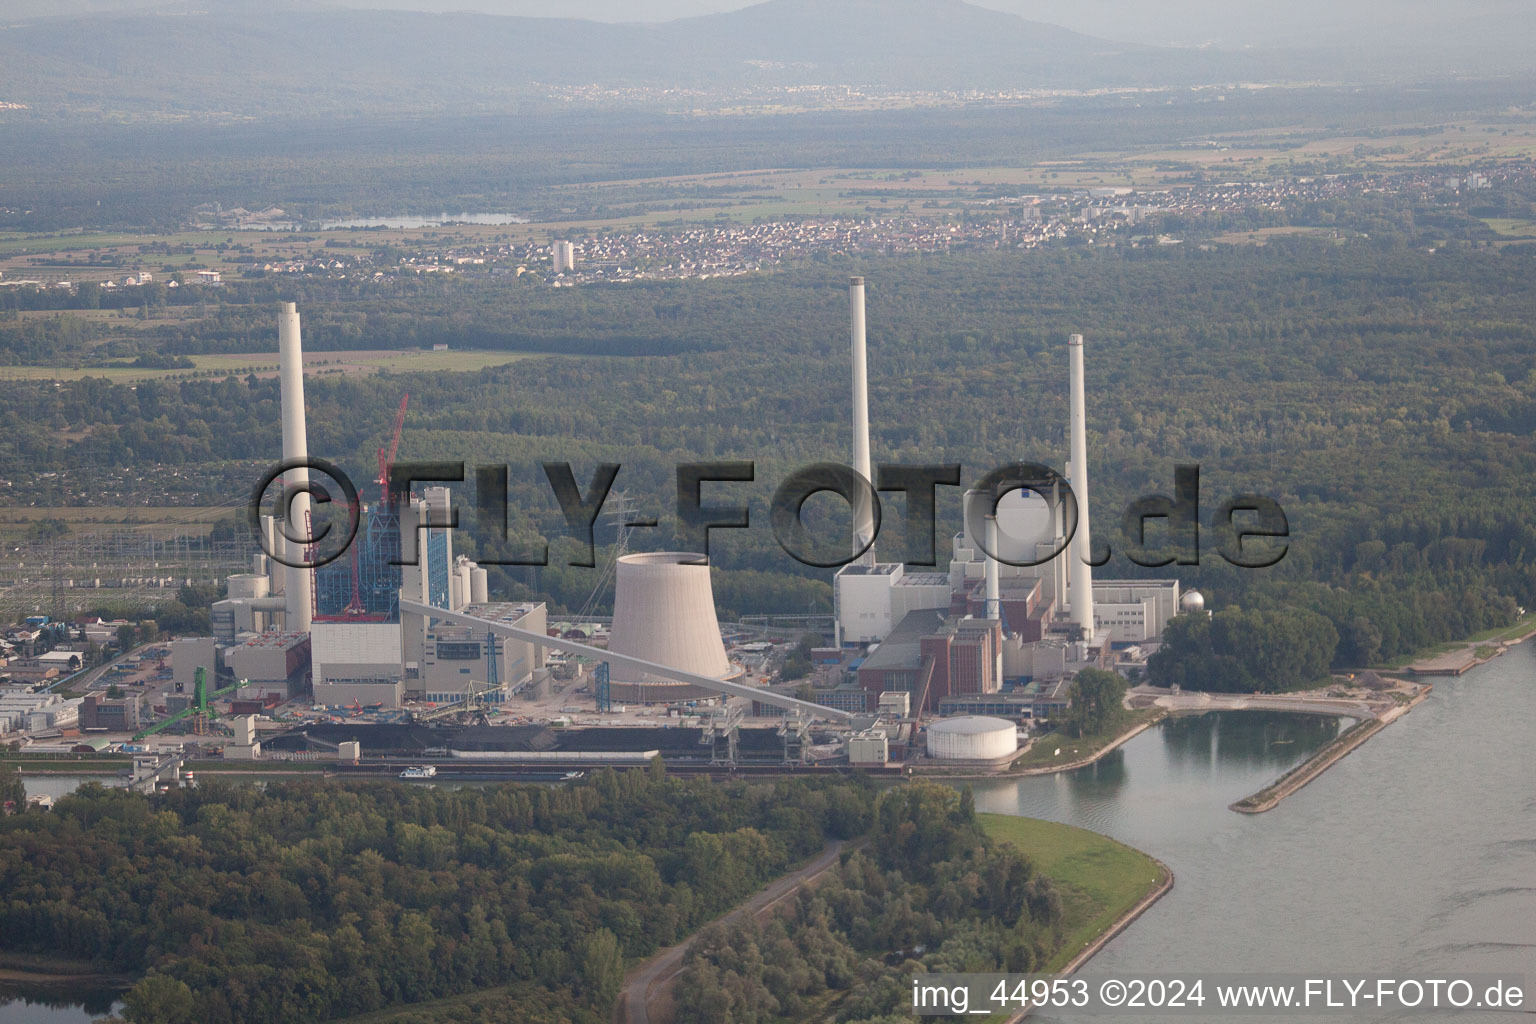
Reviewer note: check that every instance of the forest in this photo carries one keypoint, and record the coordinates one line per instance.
(930, 893)
(312, 901)
(517, 903)
(1379, 392)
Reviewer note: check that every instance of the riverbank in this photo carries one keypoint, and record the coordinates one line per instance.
(1460, 656)
(1270, 796)
(1105, 884)
(30, 969)
(1027, 763)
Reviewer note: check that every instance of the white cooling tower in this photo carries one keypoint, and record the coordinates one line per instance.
(664, 612)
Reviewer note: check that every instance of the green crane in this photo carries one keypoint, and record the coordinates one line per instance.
(199, 705)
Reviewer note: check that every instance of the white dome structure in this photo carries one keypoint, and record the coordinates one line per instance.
(664, 612)
(972, 738)
(1192, 601)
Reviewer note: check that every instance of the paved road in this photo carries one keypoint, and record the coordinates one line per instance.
(659, 969)
(1191, 700)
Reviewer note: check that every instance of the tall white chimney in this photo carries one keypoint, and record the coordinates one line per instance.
(994, 589)
(290, 360)
(1081, 571)
(863, 514)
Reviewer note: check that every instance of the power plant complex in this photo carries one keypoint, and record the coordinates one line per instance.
(396, 649)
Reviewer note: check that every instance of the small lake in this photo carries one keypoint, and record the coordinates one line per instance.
(56, 1004)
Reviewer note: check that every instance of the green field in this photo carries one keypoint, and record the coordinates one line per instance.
(1099, 879)
(265, 364)
(1511, 227)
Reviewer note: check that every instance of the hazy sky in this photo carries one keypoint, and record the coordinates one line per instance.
(1186, 22)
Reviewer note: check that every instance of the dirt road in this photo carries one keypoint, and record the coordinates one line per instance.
(642, 981)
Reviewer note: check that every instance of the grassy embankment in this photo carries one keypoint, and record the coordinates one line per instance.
(67, 764)
(1100, 880)
(1042, 752)
(1524, 626)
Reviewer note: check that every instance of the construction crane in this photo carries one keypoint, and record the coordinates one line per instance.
(387, 459)
(198, 707)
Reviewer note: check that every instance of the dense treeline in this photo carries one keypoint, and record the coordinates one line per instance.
(1098, 703)
(306, 902)
(931, 892)
(1240, 651)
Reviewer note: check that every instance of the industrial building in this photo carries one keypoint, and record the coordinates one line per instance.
(190, 653)
(456, 660)
(23, 710)
(401, 620)
(1052, 618)
(98, 712)
(931, 655)
(271, 664)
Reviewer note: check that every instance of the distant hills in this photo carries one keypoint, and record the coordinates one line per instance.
(264, 57)
(248, 58)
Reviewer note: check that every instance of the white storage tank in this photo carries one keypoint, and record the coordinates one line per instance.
(479, 585)
(972, 738)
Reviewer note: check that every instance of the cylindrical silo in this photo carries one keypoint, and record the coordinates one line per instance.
(479, 585)
(972, 738)
(664, 612)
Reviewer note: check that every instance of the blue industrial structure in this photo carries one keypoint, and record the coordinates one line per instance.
(363, 586)
(602, 690)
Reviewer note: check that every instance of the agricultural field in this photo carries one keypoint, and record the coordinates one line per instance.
(1513, 229)
(158, 520)
(264, 364)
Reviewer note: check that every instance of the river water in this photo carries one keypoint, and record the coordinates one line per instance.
(1415, 856)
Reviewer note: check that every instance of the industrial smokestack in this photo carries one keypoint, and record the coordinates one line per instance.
(290, 358)
(863, 514)
(1081, 571)
(994, 590)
